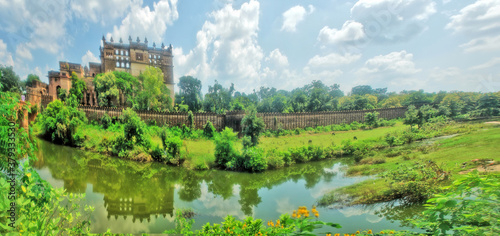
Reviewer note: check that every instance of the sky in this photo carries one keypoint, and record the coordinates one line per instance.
(398, 44)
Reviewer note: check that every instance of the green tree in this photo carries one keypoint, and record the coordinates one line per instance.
(190, 91)
(10, 80)
(218, 99)
(106, 88)
(78, 87)
(155, 95)
(252, 126)
(361, 90)
(31, 79)
(128, 85)
(279, 103)
(417, 98)
(411, 117)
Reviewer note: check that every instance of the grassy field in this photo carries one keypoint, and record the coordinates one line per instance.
(454, 153)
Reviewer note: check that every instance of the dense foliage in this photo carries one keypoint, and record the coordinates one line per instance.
(60, 121)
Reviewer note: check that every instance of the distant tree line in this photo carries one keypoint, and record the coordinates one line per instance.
(317, 96)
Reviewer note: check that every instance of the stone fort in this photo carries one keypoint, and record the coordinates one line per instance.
(133, 58)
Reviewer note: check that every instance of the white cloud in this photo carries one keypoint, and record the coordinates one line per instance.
(493, 62)
(101, 11)
(483, 16)
(277, 59)
(89, 57)
(381, 21)
(5, 56)
(481, 22)
(395, 62)
(227, 48)
(293, 16)
(142, 21)
(395, 70)
(23, 52)
(332, 60)
(38, 24)
(351, 32)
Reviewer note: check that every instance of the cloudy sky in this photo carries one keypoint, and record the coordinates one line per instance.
(398, 44)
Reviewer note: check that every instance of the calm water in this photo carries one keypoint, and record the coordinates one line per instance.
(131, 197)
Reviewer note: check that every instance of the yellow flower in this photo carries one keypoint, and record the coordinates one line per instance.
(316, 214)
(357, 232)
(23, 188)
(382, 232)
(370, 231)
(392, 232)
(335, 234)
(29, 175)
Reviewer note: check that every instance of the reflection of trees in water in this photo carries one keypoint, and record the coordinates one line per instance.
(404, 213)
(140, 190)
(249, 198)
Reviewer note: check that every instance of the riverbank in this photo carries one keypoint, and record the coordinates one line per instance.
(196, 150)
(463, 147)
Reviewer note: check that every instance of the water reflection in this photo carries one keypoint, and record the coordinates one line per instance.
(142, 197)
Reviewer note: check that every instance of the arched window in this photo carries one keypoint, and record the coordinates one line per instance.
(117, 64)
(128, 65)
(123, 65)
(116, 52)
(123, 52)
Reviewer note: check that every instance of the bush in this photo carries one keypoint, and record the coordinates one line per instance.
(59, 122)
(415, 183)
(252, 126)
(371, 119)
(172, 147)
(134, 128)
(254, 159)
(224, 147)
(106, 121)
(209, 130)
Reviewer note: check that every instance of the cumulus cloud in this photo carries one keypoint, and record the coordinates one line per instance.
(394, 62)
(293, 16)
(145, 21)
(277, 59)
(481, 20)
(384, 21)
(101, 11)
(395, 70)
(5, 56)
(350, 33)
(226, 48)
(89, 57)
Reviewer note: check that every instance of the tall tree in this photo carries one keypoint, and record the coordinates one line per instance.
(155, 95)
(128, 85)
(218, 99)
(78, 87)
(106, 88)
(190, 92)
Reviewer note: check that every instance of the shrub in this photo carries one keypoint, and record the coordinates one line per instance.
(254, 159)
(252, 126)
(172, 147)
(134, 128)
(106, 121)
(415, 183)
(59, 122)
(371, 119)
(224, 147)
(209, 130)
(275, 160)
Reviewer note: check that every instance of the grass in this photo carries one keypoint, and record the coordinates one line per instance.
(453, 154)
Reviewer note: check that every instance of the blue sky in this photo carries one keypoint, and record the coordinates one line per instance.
(398, 44)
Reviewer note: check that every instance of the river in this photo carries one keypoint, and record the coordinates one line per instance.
(132, 197)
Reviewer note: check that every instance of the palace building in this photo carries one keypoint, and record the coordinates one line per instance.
(132, 57)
